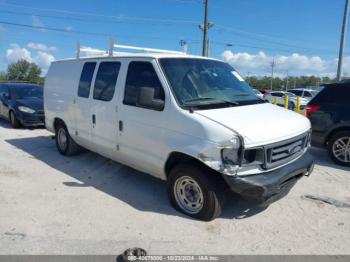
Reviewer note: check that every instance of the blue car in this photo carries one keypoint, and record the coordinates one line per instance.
(22, 104)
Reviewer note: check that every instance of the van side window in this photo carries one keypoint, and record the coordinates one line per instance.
(106, 80)
(86, 79)
(141, 74)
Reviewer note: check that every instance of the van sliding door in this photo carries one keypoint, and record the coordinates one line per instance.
(103, 111)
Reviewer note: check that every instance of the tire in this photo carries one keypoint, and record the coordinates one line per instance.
(291, 106)
(339, 148)
(205, 190)
(14, 121)
(64, 142)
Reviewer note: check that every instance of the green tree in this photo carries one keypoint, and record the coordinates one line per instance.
(23, 70)
(3, 76)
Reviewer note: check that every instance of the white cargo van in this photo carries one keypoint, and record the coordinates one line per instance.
(189, 120)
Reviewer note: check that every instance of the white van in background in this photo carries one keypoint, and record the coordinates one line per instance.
(188, 120)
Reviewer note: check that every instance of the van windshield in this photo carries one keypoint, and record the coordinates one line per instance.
(202, 82)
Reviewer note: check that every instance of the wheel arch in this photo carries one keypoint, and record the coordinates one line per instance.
(177, 157)
(58, 121)
(334, 131)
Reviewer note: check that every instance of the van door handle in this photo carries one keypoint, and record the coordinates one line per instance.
(94, 119)
(120, 125)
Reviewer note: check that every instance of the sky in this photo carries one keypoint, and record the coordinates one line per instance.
(302, 36)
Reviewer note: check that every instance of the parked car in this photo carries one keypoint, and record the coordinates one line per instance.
(329, 113)
(258, 93)
(280, 96)
(22, 104)
(188, 120)
(308, 94)
(263, 91)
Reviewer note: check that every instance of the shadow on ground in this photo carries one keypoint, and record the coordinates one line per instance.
(6, 124)
(322, 159)
(141, 191)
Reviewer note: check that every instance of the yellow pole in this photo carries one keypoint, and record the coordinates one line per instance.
(286, 99)
(274, 101)
(298, 104)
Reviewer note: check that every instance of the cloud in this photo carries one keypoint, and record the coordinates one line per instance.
(36, 22)
(36, 54)
(41, 47)
(43, 59)
(90, 51)
(295, 64)
(15, 53)
(68, 28)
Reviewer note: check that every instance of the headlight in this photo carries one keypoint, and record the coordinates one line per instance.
(230, 153)
(230, 156)
(26, 109)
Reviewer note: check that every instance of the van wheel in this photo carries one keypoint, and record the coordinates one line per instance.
(193, 192)
(339, 148)
(14, 121)
(65, 144)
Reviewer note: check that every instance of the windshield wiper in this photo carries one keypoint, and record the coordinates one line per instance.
(212, 98)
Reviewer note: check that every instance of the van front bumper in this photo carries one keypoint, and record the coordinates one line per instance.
(271, 186)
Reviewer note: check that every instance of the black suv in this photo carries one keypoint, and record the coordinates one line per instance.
(22, 104)
(329, 113)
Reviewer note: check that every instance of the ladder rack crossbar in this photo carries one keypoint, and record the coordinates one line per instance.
(111, 51)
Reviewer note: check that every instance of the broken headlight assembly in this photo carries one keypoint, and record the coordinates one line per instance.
(236, 156)
(230, 154)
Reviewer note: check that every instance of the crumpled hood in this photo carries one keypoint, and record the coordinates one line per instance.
(259, 124)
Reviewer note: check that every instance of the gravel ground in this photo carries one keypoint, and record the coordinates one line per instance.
(50, 204)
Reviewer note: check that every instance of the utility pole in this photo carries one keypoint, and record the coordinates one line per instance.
(204, 27)
(208, 47)
(273, 64)
(287, 80)
(342, 40)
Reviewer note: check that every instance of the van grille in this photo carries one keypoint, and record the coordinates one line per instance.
(282, 152)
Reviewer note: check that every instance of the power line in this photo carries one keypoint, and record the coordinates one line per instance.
(141, 19)
(84, 32)
(258, 38)
(191, 41)
(252, 46)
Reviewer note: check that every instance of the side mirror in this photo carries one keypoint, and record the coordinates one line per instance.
(146, 99)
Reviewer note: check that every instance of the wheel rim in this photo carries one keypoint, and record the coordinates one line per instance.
(188, 195)
(341, 149)
(12, 118)
(62, 139)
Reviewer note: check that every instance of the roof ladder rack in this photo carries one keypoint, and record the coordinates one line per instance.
(112, 46)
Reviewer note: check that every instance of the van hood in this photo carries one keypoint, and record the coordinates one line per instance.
(259, 124)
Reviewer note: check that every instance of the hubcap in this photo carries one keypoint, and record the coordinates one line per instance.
(12, 118)
(62, 138)
(341, 149)
(188, 195)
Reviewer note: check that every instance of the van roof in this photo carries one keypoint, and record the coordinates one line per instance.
(136, 55)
